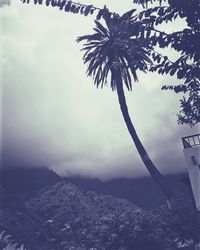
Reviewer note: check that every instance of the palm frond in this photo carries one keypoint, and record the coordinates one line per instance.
(101, 29)
(95, 36)
(115, 51)
(82, 38)
(128, 14)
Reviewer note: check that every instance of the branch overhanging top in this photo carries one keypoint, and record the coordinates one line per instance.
(75, 8)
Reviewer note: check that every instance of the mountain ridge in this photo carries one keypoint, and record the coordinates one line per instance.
(64, 216)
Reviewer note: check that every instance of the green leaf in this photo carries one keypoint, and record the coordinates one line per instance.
(181, 74)
(128, 14)
(73, 8)
(82, 9)
(53, 3)
(101, 28)
(99, 15)
(61, 4)
(87, 10)
(161, 11)
(67, 6)
(173, 71)
(92, 11)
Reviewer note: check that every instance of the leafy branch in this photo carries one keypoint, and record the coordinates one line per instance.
(74, 7)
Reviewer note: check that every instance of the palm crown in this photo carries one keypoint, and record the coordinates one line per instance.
(119, 50)
(118, 46)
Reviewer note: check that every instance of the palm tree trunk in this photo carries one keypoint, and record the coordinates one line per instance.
(153, 171)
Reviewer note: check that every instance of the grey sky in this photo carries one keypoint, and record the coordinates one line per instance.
(4, 2)
(52, 115)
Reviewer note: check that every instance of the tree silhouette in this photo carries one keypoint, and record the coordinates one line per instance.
(187, 66)
(114, 54)
(142, 49)
(74, 7)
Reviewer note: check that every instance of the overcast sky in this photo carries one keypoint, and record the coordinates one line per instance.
(53, 116)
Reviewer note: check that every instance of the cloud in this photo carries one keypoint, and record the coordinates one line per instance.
(4, 2)
(53, 116)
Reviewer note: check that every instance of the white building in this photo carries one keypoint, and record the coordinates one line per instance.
(192, 156)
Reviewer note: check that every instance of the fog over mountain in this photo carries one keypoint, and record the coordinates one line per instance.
(53, 116)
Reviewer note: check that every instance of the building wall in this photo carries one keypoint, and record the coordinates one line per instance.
(192, 157)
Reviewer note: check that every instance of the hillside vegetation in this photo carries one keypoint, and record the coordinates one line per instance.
(64, 216)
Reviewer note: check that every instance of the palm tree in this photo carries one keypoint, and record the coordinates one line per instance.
(115, 52)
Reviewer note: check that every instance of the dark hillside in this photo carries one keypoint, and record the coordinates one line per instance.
(23, 180)
(46, 212)
(141, 191)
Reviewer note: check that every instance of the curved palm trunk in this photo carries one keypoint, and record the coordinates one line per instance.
(153, 171)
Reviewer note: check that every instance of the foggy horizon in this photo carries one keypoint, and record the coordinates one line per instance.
(53, 115)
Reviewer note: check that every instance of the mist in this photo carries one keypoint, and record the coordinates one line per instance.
(53, 116)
